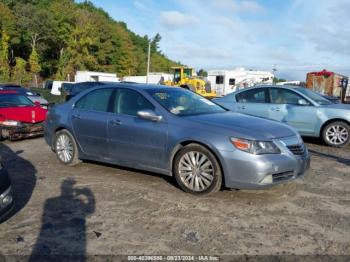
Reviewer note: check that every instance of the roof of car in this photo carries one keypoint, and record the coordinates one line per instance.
(138, 85)
(9, 86)
(7, 92)
(292, 87)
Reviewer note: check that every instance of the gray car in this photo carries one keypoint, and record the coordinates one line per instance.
(178, 133)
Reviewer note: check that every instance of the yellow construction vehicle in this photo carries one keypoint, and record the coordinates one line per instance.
(184, 77)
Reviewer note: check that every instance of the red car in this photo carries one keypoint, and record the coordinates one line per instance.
(19, 116)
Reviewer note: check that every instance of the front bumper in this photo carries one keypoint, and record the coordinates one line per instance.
(6, 194)
(22, 132)
(6, 202)
(246, 171)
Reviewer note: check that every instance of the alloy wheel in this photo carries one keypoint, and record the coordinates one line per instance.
(196, 171)
(64, 148)
(337, 134)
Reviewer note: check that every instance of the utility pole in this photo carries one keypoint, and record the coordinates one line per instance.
(274, 70)
(148, 59)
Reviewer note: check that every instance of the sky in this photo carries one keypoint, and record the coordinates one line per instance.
(294, 36)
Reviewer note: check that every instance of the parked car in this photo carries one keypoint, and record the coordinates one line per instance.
(34, 97)
(307, 111)
(19, 116)
(72, 89)
(9, 86)
(333, 99)
(175, 132)
(6, 197)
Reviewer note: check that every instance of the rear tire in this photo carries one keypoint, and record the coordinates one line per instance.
(197, 170)
(336, 134)
(66, 148)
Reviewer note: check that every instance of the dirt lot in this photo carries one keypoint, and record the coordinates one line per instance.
(100, 209)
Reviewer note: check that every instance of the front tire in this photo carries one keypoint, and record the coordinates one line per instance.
(336, 134)
(66, 148)
(197, 171)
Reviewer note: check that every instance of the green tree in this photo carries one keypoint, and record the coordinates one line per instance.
(4, 57)
(202, 72)
(278, 80)
(19, 72)
(69, 36)
(34, 65)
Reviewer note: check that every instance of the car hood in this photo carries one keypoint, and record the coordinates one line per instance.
(27, 114)
(337, 106)
(248, 124)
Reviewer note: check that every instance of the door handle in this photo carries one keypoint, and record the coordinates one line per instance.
(115, 122)
(77, 116)
(277, 109)
(243, 107)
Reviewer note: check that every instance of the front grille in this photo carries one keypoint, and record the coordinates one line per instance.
(282, 176)
(298, 150)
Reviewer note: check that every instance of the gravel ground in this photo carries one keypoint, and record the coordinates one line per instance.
(94, 209)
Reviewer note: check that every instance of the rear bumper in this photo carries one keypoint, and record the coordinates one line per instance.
(246, 171)
(21, 132)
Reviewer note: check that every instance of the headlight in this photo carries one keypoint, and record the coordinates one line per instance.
(10, 123)
(255, 147)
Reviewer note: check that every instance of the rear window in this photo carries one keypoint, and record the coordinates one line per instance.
(14, 100)
(97, 100)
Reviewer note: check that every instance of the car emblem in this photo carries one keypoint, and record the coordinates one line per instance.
(33, 116)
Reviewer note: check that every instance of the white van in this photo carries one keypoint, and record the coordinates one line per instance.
(56, 87)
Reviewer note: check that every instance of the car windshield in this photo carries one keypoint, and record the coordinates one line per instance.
(14, 100)
(183, 102)
(314, 96)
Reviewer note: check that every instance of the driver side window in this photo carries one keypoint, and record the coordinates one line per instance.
(129, 102)
(284, 96)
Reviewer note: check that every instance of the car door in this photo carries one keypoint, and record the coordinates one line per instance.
(134, 141)
(289, 107)
(254, 101)
(89, 118)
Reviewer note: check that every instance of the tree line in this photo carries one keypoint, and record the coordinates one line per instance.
(41, 39)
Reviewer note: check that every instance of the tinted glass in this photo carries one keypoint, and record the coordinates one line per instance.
(232, 81)
(184, 102)
(13, 100)
(96, 101)
(253, 96)
(129, 102)
(284, 96)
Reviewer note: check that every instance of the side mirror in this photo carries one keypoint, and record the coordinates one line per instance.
(149, 115)
(303, 102)
(37, 103)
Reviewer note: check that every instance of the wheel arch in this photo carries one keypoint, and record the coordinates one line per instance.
(59, 128)
(184, 143)
(330, 121)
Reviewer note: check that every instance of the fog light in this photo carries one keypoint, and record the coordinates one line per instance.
(7, 200)
(267, 180)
